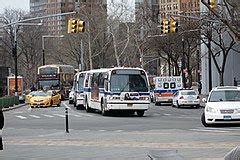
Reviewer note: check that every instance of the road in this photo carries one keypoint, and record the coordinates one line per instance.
(39, 133)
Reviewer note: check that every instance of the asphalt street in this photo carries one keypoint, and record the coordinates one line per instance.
(40, 133)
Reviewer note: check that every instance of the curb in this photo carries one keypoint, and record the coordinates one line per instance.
(14, 107)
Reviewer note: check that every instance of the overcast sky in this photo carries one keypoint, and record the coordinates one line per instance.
(14, 4)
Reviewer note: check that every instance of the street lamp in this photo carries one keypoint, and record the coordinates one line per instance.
(43, 47)
(14, 50)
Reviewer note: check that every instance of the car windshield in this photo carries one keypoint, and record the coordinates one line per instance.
(227, 95)
(42, 94)
(188, 93)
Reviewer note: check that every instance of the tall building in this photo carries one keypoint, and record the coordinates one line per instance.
(169, 7)
(55, 25)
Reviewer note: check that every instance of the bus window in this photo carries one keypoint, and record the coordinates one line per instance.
(94, 86)
(165, 85)
(172, 85)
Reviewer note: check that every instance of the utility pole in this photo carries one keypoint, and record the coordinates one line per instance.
(14, 52)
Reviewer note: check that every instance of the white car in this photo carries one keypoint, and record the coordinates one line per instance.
(71, 96)
(222, 106)
(186, 97)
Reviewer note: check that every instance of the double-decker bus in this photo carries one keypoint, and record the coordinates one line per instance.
(56, 77)
(117, 89)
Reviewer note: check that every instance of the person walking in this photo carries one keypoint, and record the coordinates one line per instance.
(199, 87)
(1, 127)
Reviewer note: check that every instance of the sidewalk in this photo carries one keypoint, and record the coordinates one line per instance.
(14, 107)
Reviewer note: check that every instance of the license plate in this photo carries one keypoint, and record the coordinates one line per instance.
(129, 104)
(227, 117)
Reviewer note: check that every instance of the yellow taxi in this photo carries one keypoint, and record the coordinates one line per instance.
(29, 96)
(45, 99)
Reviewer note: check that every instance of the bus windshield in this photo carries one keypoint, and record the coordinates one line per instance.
(80, 83)
(51, 84)
(128, 83)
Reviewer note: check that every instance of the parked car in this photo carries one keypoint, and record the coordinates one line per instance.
(71, 96)
(186, 97)
(45, 99)
(222, 106)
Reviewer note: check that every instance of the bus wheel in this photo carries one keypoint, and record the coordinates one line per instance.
(104, 113)
(88, 109)
(140, 113)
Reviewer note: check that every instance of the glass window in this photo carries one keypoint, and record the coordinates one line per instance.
(227, 95)
(128, 83)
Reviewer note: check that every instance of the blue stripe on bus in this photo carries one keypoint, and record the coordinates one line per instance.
(166, 91)
(101, 90)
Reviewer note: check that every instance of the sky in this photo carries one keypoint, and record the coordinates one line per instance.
(14, 4)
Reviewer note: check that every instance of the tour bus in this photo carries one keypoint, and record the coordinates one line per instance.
(117, 89)
(56, 77)
(78, 86)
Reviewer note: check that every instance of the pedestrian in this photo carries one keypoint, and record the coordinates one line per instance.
(1, 127)
(199, 87)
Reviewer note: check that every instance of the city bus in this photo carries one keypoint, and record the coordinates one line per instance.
(56, 77)
(117, 89)
(78, 87)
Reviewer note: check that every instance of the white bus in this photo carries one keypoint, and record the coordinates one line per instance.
(78, 86)
(117, 89)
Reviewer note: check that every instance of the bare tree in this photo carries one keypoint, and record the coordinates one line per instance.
(228, 13)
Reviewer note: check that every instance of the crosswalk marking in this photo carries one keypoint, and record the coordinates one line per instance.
(59, 115)
(21, 117)
(49, 116)
(34, 116)
(75, 115)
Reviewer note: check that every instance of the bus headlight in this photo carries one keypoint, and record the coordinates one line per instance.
(144, 98)
(114, 98)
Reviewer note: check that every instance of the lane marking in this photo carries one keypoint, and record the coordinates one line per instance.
(225, 129)
(209, 130)
(21, 117)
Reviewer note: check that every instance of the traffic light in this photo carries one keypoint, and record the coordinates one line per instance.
(72, 25)
(173, 26)
(212, 4)
(165, 28)
(80, 26)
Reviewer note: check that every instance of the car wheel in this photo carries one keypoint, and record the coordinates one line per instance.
(59, 104)
(140, 113)
(32, 106)
(204, 121)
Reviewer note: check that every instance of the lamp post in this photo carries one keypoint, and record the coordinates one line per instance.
(43, 47)
(14, 51)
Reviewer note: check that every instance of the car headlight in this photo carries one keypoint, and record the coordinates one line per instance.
(237, 110)
(211, 110)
